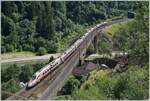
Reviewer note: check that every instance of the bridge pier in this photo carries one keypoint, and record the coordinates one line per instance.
(95, 42)
(81, 62)
(82, 57)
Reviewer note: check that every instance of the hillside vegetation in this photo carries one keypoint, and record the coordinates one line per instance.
(13, 74)
(104, 85)
(111, 30)
(49, 27)
(133, 84)
(17, 54)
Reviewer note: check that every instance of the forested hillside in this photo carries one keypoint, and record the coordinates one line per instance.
(104, 85)
(133, 84)
(16, 73)
(49, 27)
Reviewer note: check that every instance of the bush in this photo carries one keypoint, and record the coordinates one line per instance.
(10, 73)
(26, 73)
(3, 49)
(28, 47)
(10, 86)
(37, 66)
(41, 51)
(9, 48)
(131, 85)
(51, 59)
(51, 46)
(71, 85)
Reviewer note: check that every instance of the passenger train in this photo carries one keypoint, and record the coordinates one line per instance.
(43, 72)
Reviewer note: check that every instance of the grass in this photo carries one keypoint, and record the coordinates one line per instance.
(16, 54)
(111, 30)
(5, 66)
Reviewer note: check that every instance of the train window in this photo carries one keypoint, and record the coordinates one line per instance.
(33, 77)
(53, 61)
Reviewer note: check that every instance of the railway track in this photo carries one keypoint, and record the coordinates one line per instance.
(48, 87)
(37, 91)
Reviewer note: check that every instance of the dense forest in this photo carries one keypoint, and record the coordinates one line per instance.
(49, 27)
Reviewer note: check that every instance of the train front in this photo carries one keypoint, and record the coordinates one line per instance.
(32, 82)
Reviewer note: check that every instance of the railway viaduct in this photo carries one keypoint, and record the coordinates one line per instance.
(53, 82)
(76, 58)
